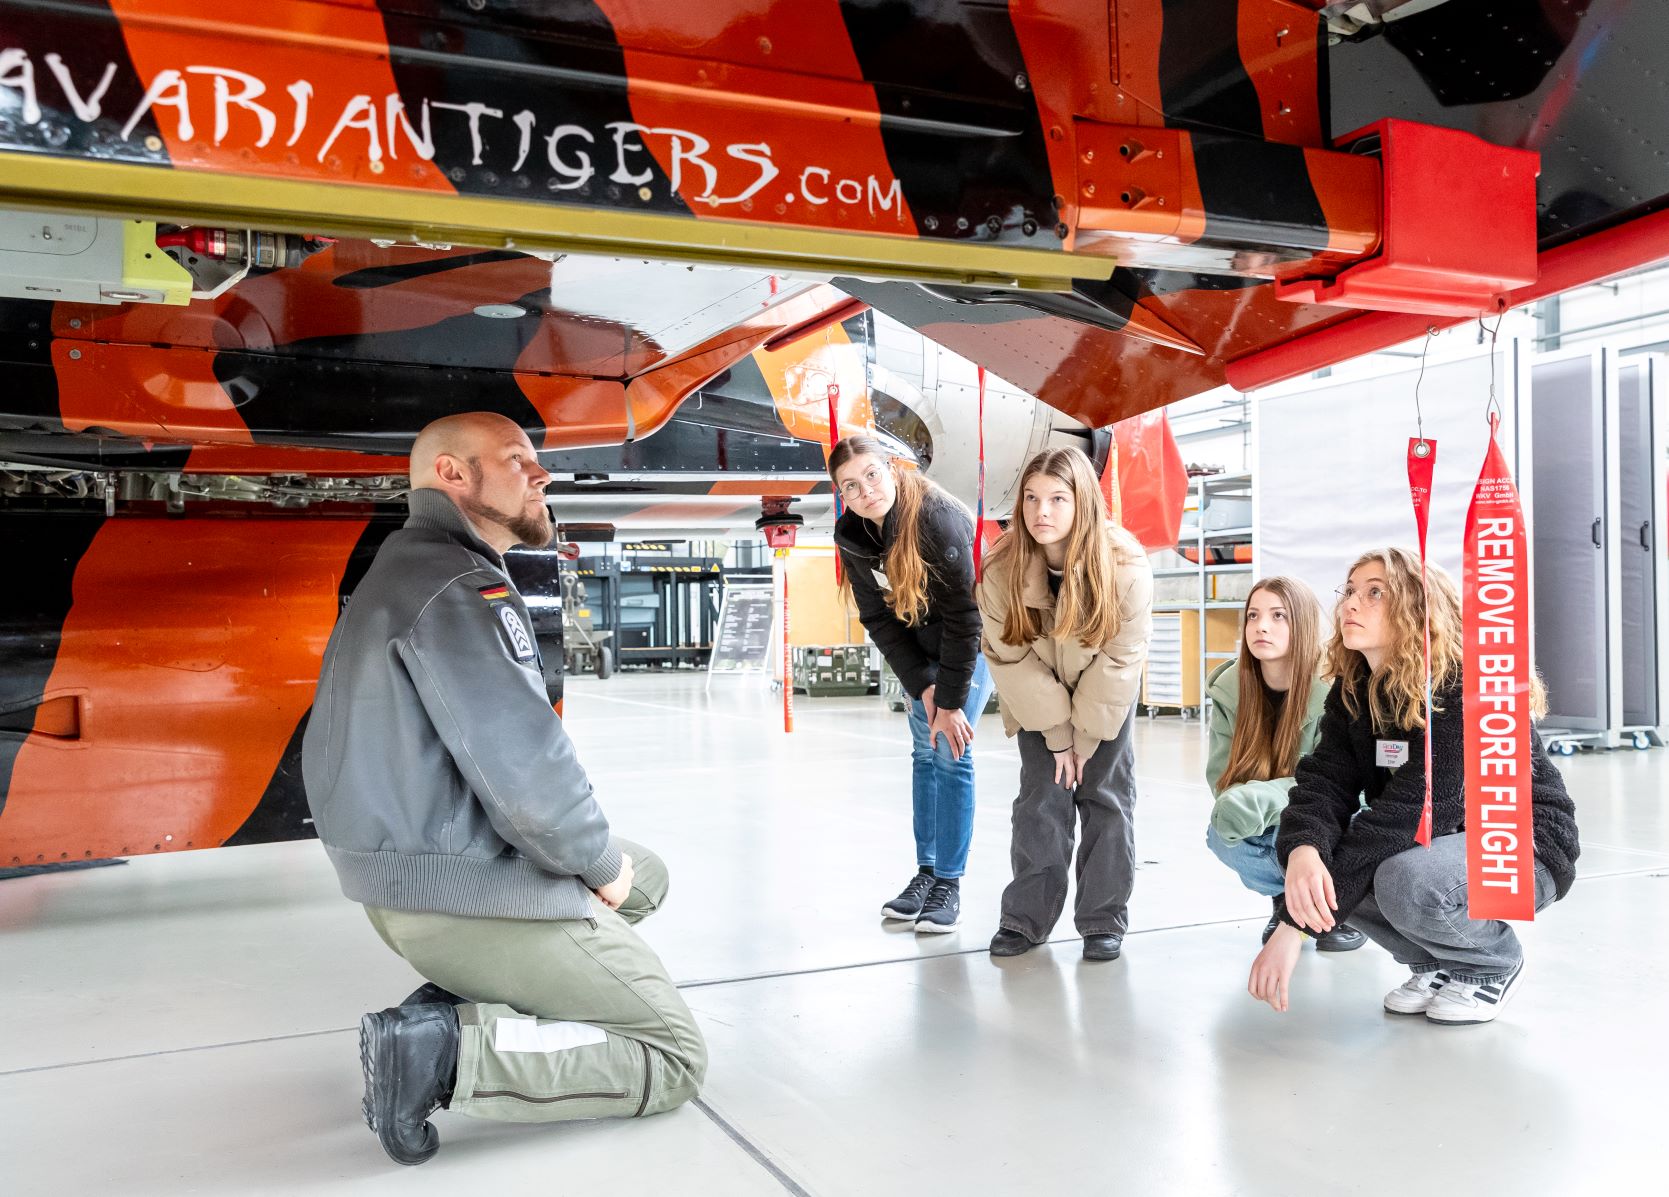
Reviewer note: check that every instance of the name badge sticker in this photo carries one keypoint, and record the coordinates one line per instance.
(1390, 754)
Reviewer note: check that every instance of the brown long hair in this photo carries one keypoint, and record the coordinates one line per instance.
(905, 567)
(1086, 609)
(1265, 745)
(1396, 693)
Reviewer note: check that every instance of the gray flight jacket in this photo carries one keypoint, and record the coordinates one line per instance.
(439, 777)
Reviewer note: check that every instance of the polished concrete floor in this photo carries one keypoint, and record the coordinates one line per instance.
(183, 1024)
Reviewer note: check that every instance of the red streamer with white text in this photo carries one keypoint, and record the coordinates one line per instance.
(1422, 460)
(834, 438)
(1500, 842)
(979, 515)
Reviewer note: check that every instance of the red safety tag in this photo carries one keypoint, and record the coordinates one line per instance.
(834, 437)
(1500, 841)
(787, 653)
(979, 514)
(1422, 459)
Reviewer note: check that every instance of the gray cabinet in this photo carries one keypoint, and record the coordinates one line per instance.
(1597, 519)
(1568, 399)
(1641, 449)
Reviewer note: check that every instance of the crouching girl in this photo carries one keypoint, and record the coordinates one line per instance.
(1364, 865)
(1265, 708)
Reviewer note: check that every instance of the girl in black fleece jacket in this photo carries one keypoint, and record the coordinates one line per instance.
(1347, 861)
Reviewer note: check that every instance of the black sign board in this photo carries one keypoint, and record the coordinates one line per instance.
(743, 641)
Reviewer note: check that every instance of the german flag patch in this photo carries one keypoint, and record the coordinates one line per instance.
(517, 640)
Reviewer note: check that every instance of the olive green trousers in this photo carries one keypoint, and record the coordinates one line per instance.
(572, 1018)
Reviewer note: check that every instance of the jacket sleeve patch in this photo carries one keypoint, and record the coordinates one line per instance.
(516, 638)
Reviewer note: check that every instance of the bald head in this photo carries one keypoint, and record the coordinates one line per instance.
(486, 465)
(466, 437)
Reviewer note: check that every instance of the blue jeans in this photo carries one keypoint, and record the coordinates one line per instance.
(942, 789)
(1253, 859)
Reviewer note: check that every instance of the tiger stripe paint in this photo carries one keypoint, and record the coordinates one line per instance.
(336, 356)
(32, 623)
(975, 76)
(281, 812)
(850, 185)
(822, 114)
(186, 713)
(340, 53)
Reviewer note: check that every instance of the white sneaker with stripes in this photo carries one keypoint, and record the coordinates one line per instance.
(1462, 1003)
(1414, 995)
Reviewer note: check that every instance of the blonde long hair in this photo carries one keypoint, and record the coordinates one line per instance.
(1265, 745)
(1397, 692)
(1086, 609)
(905, 567)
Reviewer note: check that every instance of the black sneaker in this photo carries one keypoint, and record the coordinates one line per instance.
(1343, 938)
(409, 1055)
(942, 911)
(907, 905)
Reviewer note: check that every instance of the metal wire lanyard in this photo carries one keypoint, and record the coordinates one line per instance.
(1422, 447)
(1492, 412)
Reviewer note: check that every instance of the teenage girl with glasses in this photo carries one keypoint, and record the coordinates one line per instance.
(1408, 899)
(1265, 709)
(906, 549)
(1067, 599)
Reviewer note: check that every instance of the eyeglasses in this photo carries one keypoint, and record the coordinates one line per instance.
(870, 479)
(1373, 595)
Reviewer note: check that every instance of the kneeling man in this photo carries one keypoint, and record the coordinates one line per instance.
(449, 798)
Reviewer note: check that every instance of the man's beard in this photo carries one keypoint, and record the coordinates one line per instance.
(532, 531)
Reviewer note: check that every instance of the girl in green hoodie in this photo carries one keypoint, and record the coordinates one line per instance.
(1265, 708)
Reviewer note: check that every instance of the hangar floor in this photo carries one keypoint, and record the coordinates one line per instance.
(185, 1023)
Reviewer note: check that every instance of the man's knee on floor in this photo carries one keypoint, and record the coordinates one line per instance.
(682, 1071)
(697, 1062)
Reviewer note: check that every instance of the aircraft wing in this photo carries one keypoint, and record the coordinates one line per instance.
(1110, 205)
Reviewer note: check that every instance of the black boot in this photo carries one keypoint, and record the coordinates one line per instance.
(1342, 938)
(428, 993)
(1010, 943)
(1103, 947)
(1279, 902)
(410, 1058)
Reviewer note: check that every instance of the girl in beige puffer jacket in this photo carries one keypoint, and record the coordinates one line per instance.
(1067, 605)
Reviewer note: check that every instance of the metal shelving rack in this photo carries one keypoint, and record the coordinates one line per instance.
(1204, 489)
